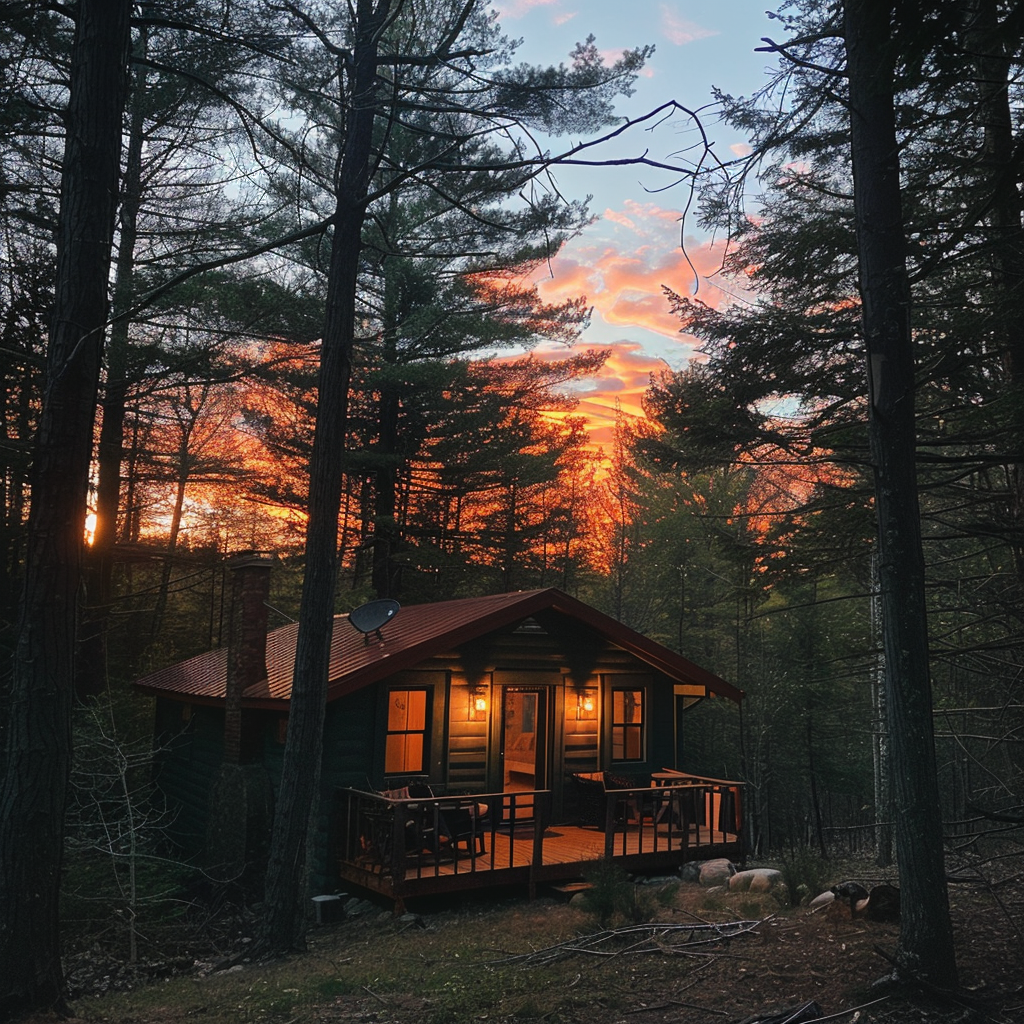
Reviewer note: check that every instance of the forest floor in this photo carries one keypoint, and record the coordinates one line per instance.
(549, 961)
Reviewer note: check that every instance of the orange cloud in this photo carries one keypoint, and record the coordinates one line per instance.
(625, 284)
(618, 387)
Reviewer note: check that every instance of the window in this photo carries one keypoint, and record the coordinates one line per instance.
(627, 725)
(405, 749)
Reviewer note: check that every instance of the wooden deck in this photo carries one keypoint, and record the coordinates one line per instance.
(404, 848)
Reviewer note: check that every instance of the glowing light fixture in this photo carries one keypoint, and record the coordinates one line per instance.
(585, 706)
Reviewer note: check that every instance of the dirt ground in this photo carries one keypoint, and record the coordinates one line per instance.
(517, 960)
(789, 960)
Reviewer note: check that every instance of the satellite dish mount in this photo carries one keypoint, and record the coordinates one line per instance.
(368, 618)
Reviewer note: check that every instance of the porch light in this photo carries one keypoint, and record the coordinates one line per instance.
(480, 703)
(584, 706)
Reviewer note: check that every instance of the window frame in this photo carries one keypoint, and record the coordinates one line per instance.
(424, 732)
(621, 731)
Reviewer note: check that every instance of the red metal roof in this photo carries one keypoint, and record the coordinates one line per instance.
(416, 633)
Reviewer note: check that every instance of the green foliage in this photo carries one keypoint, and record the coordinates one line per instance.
(804, 875)
(609, 892)
(613, 894)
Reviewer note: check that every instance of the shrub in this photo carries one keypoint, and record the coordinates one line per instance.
(804, 874)
(613, 894)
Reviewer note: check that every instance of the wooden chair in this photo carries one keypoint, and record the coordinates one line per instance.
(455, 824)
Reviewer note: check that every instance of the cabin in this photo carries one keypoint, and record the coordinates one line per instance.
(499, 740)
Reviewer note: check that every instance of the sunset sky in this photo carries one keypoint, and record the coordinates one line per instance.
(621, 262)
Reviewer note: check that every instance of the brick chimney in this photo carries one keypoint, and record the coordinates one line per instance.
(247, 640)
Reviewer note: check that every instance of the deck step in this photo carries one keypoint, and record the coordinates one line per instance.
(570, 889)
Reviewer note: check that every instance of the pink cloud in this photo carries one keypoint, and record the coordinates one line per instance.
(680, 31)
(512, 9)
(618, 218)
(650, 211)
(623, 273)
(629, 290)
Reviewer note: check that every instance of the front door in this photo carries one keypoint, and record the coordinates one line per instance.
(524, 743)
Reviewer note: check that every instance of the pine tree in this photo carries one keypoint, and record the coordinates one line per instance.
(37, 748)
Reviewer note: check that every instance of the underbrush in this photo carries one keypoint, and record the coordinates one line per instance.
(511, 960)
(613, 896)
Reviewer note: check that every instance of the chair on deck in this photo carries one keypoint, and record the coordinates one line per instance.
(456, 824)
(591, 798)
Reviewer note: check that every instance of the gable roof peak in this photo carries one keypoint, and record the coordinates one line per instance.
(419, 632)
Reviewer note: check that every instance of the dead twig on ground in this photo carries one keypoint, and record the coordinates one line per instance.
(380, 999)
(649, 938)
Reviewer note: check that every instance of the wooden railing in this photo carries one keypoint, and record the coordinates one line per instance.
(415, 836)
(690, 811)
(418, 837)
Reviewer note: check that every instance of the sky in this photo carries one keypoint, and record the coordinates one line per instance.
(622, 261)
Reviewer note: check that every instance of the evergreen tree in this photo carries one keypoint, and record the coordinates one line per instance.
(448, 58)
(37, 741)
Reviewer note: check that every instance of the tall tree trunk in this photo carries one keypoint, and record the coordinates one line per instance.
(174, 530)
(92, 677)
(991, 43)
(283, 925)
(926, 935)
(386, 532)
(385, 526)
(881, 775)
(37, 749)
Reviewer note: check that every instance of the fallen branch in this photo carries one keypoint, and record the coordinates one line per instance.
(370, 992)
(649, 938)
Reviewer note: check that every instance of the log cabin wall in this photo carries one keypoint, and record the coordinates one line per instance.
(580, 693)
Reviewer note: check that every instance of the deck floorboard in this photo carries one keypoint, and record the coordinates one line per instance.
(509, 858)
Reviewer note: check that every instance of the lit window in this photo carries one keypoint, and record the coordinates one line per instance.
(405, 750)
(627, 725)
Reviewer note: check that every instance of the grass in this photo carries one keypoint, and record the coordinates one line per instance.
(449, 971)
(459, 966)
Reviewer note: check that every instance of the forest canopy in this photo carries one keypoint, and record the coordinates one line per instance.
(305, 318)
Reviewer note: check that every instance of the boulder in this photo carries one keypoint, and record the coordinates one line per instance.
(690, 871)
(716, 872)
(755, 880)
(883, 904)
(852, 892)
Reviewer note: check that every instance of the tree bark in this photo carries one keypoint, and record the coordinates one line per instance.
(99, 566)
(991, 42)
(37, 749)
(284, 918)
(926, 936)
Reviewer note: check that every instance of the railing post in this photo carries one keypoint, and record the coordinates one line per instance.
(397, 843)
(609, 825)
(538, 844)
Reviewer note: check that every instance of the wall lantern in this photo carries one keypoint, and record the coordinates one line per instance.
(476, 704)
(585, 706)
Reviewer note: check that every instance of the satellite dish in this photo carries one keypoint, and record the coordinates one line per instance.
(368, 618)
